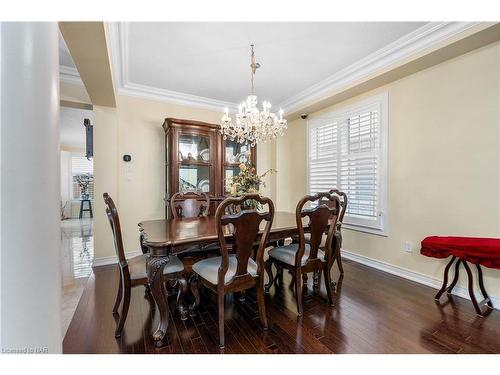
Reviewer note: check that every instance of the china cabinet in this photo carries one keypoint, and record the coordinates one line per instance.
(197, 158)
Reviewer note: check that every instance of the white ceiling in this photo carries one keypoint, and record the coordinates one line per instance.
(212, 59)
(72, 129)
(197, 60)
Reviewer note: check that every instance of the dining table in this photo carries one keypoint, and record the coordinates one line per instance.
(163, 238)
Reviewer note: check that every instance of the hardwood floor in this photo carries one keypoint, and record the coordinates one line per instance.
(374, 312)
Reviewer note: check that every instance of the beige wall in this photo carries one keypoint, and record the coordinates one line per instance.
(138, 187)
(73, 93)
(444, 139)
(444, 162)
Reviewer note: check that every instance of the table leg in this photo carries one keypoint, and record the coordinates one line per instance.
(155, 268)
(81, 210)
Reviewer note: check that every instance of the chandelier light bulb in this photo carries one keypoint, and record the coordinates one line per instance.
(250, 125)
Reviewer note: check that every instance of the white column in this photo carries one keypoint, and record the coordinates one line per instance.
(30, 185)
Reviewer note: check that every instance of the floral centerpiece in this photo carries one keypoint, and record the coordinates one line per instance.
(248, 181)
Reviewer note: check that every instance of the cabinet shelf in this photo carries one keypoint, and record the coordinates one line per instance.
(195, 163)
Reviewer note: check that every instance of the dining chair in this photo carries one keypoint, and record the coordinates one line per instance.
(189, 204)
(338, 235)
(133, 271)
(236, 272)
(305, 257)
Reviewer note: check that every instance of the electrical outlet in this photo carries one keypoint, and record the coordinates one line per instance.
(408, 247)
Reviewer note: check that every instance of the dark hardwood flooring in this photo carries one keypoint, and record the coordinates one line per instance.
(374, 312)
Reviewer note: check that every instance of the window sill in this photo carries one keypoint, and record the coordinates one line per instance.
(357, 228)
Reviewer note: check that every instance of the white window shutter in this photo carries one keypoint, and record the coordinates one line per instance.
(347, 151)
(81, 165)
(359, 169)
(323, 158)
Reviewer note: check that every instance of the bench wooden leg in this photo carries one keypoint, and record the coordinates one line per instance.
(471, 289)
(445, 279)
(487, 298)
(455, 278)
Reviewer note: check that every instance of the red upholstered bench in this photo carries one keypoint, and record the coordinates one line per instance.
(478, 251)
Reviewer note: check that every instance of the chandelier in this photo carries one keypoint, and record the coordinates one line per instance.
(252, 125)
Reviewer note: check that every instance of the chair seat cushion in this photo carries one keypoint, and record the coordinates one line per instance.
(286, 254)
(137, 266)
(209, 268)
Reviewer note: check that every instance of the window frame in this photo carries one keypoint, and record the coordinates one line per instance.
(381, 103)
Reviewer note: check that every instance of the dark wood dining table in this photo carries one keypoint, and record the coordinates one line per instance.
(162, 238)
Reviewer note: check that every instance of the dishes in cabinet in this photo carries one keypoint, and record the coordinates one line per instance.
(204, 155)
(204, 186)
(242, 157)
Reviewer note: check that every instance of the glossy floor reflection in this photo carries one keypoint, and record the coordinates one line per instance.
(77, 247)
(374, 312)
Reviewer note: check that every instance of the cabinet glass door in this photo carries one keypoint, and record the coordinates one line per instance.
(228, 177)
(194, 148)
(236, 153)
(194, 163)
(194, 178)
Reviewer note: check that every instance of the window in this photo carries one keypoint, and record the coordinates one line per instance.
(347, 149)
(82, 169)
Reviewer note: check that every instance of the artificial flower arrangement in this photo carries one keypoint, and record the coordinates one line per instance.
(83, 180)
(248, 181)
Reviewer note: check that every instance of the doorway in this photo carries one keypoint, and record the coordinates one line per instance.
(77, 203)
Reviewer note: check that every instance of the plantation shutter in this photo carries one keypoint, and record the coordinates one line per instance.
(323, 158)
(347, 152)
(80, 165)
(359, 166)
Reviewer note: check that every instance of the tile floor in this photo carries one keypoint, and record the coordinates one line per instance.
(77, 247)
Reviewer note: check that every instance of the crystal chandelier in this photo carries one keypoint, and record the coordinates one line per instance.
(250, 124)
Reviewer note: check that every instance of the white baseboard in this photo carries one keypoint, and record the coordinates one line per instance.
(413, 276)
(104, 261)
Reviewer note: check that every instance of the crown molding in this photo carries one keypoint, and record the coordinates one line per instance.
(427, 37)
(69, 74)
(174, 97)
(118, 37)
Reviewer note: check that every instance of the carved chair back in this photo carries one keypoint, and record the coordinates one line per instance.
(343, 204)
(114, 222)
(322, 216)
(189, 204)
(244, 226)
